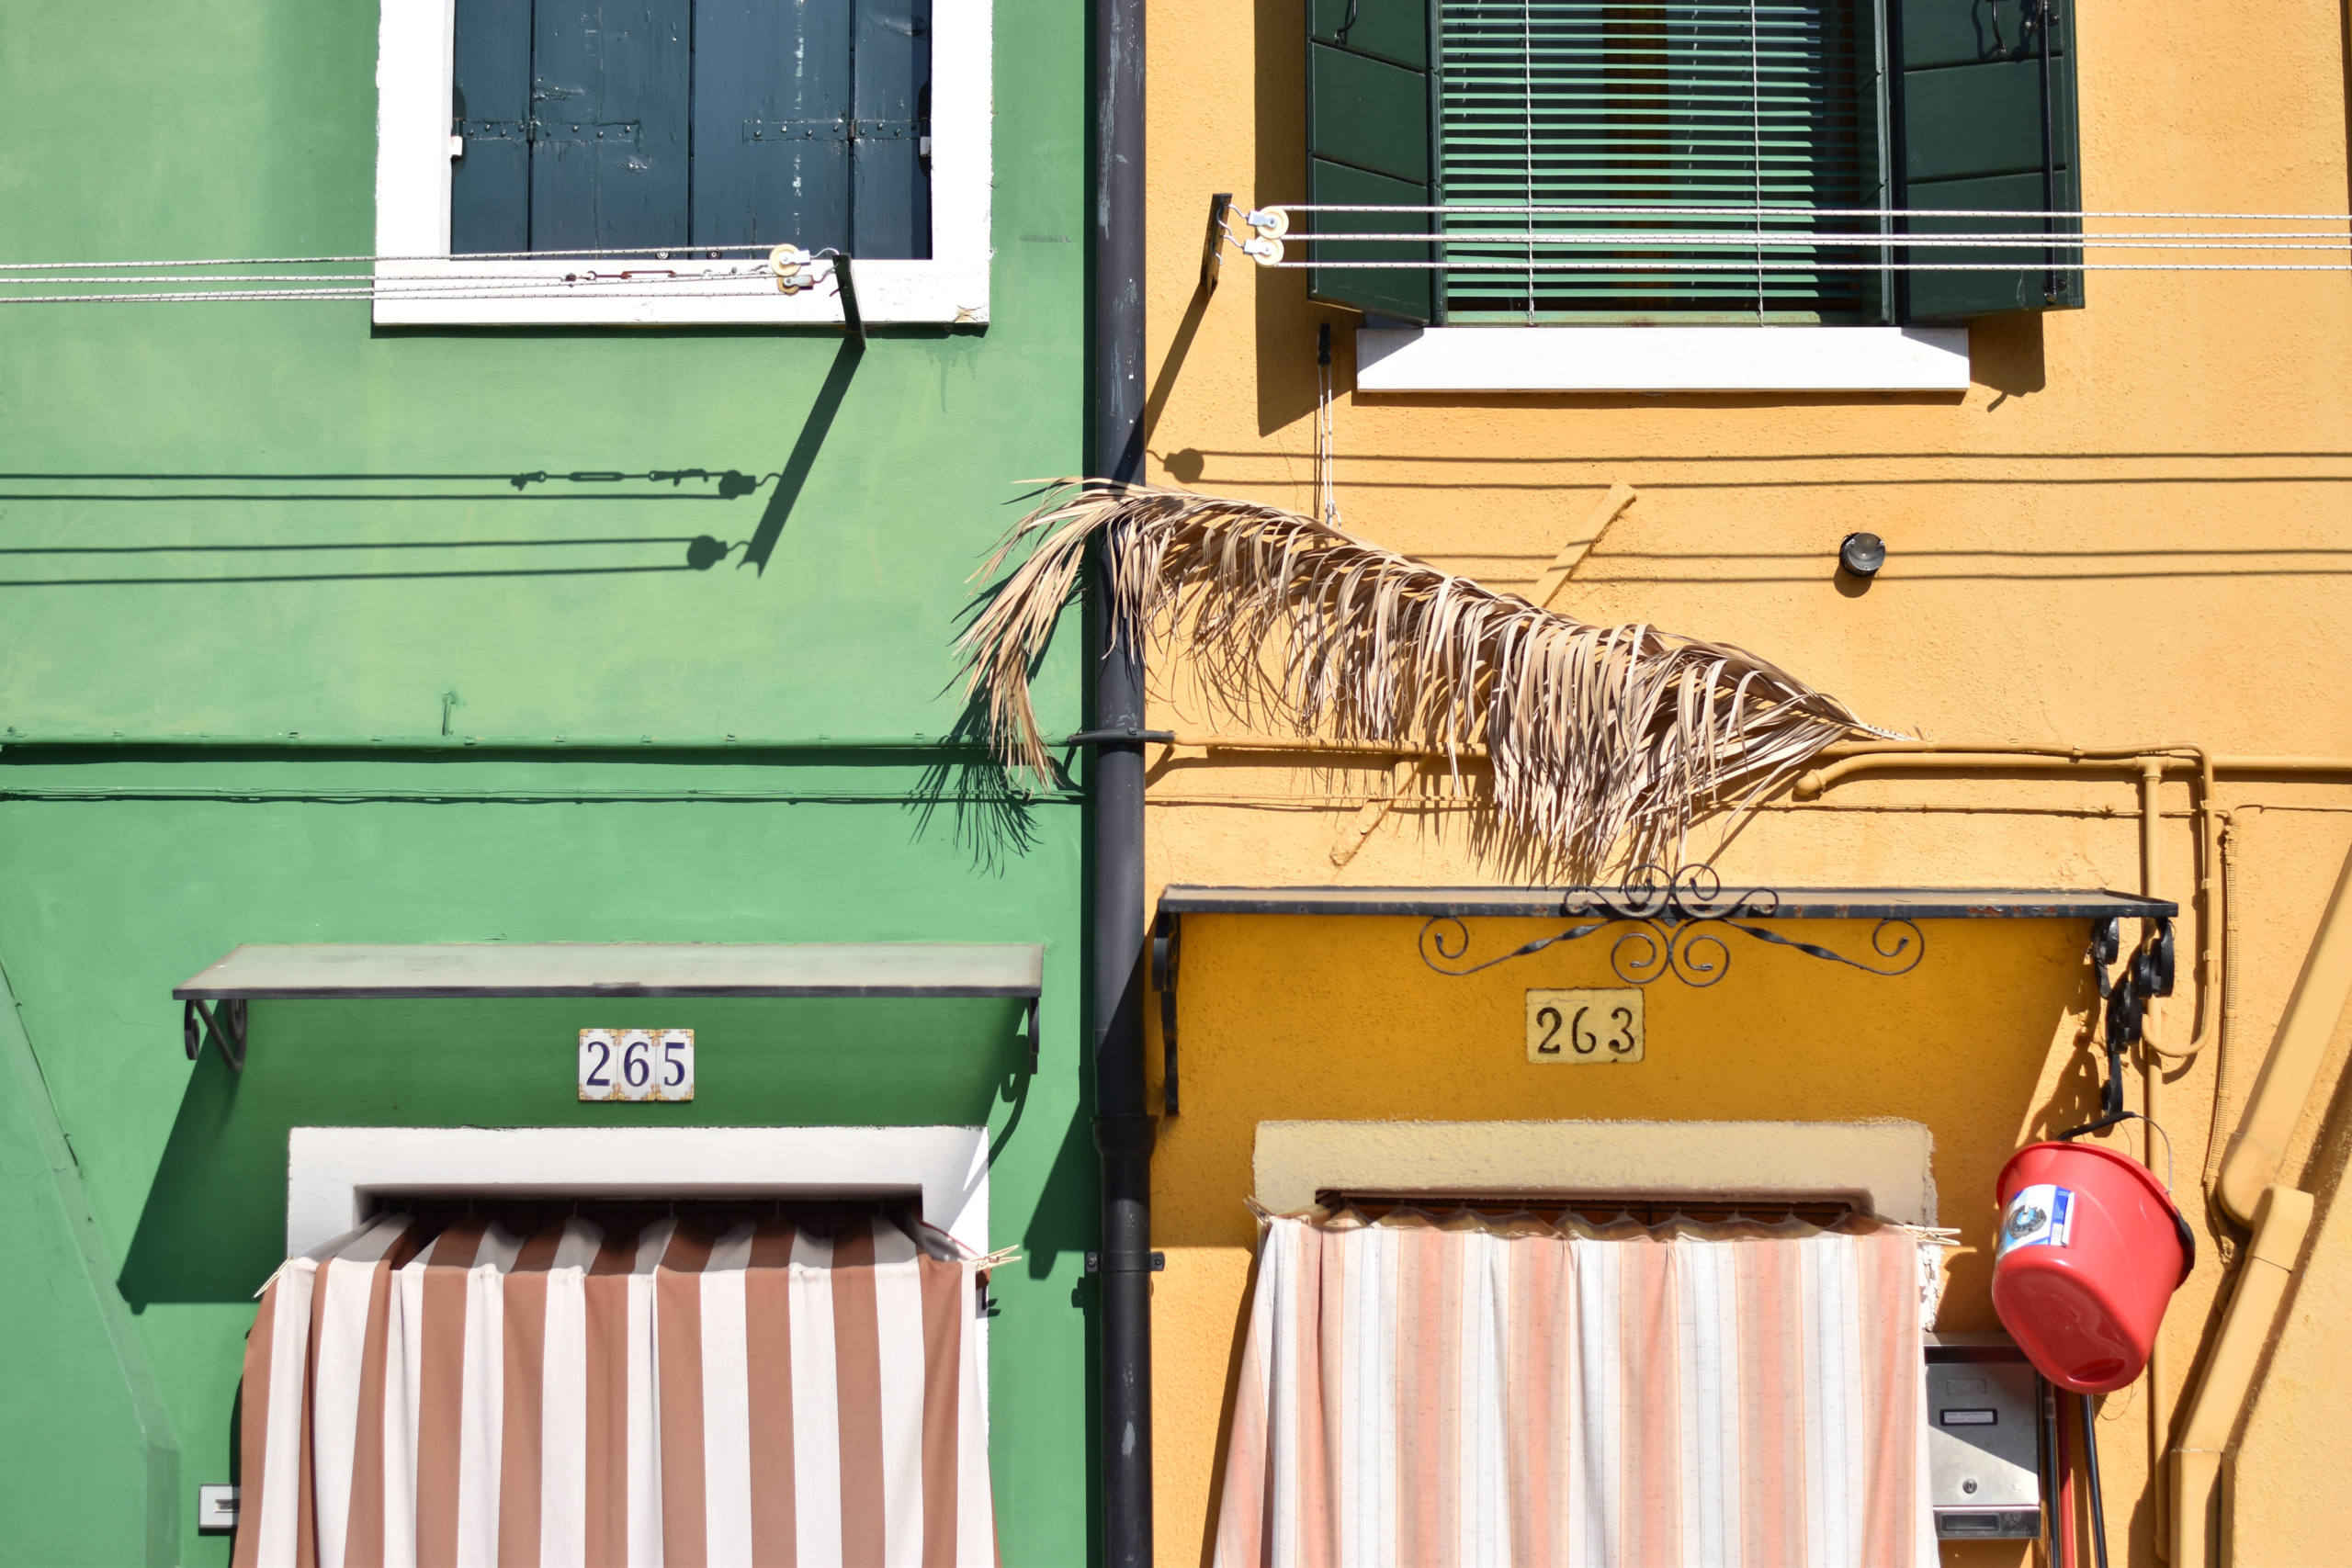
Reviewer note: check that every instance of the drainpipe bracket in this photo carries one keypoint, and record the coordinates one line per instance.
(1158, 1263)
(1120, 738)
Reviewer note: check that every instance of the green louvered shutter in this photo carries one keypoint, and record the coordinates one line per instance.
(1700, 103)
(1368, 141)
(1970, 128)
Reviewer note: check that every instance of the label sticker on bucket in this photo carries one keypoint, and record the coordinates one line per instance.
(2042, 1215)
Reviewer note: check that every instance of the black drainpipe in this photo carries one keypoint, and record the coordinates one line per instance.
(1122, 1123)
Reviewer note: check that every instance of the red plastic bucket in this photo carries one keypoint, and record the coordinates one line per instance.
(2090, 1251)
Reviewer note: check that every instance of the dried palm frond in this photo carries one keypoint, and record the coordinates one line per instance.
(1603, 740)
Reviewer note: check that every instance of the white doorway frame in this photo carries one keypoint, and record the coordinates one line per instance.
(332, 1172)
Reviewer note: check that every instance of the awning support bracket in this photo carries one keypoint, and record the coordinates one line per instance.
(2147, 973)
(225, 1028)
(1167, 942)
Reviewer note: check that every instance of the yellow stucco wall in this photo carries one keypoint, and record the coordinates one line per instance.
(2134, 528)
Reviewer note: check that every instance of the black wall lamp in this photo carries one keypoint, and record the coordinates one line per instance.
(1861, 555)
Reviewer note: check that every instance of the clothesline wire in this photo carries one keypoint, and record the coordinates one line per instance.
(1750, 209)
(639, 252)
(686, 271)
(1806, 264)
(667, 287)
(705, 253)
(1782, 239)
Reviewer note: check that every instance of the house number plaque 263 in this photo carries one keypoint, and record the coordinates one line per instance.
(1584, 1027)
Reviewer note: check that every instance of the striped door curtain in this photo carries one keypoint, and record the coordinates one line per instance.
(792, 1392)
(1446, 1390)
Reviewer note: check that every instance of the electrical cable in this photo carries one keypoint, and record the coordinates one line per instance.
(2090, 1470)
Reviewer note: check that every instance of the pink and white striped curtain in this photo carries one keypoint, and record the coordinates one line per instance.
(1429, 1391)
(772, 1395)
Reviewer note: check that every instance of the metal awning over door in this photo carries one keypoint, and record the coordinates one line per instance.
(214, 999)
(1662, 911)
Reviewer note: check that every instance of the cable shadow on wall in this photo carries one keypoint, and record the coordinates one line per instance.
(647, 550)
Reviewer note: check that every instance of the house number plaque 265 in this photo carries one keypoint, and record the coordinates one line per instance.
(637, 1064)
(1584, 1027)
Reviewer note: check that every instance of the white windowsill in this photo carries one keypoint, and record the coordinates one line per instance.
(1662, 359)
(415, 44)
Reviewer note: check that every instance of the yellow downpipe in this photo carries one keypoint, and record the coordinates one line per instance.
(2282, 1215)
(2259, 1148)
(2249, 1191)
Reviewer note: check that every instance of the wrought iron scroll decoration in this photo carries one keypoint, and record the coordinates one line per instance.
(1672, 920)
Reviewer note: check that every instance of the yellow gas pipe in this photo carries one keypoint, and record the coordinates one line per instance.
(2248, 1187)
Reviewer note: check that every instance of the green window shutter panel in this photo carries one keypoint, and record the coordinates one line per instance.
(1969, 111)
(1688, 104)
(1368, 142)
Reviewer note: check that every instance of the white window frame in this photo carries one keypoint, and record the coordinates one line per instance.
(1667, 358)
(415, 49)
(1890, 1165)
(332, 1172)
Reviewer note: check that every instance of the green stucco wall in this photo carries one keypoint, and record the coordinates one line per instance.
(272, 519)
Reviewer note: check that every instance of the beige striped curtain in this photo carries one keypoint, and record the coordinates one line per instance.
(1434, 1389)
(777, 1393)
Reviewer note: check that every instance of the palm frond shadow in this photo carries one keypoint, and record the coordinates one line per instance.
(995, 819)
(1603, 745)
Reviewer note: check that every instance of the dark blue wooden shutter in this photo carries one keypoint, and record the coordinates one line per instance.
(489, 183)
(808, 120)
(1368, 141)
(890, 179)
(610, 90)
(1970, 116)
(661, 124)
(772, 110)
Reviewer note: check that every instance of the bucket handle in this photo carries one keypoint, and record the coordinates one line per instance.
(2180, 1222)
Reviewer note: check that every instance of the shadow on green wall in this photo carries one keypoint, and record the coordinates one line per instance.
(995, 819)
(813, 431)
(85, 565)
(214, 1224)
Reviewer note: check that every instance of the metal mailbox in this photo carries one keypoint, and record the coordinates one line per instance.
(1985, 1450)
